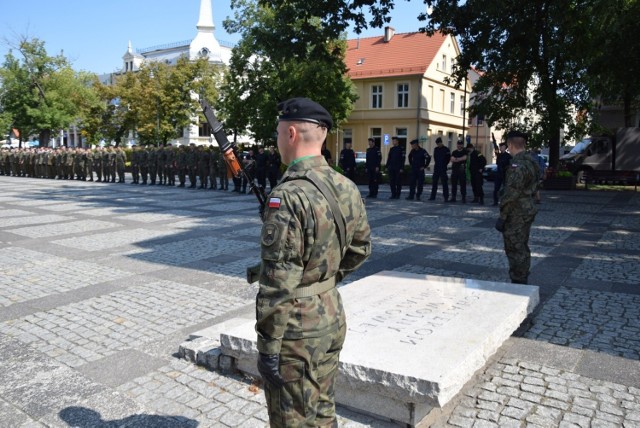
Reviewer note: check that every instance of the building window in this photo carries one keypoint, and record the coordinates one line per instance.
(450, 138)
(347, 136)
(444, 63)
(376, 134)
(452, 103)
(479, 120)
(376, 96)
(430, 100)
(442, 100)
(461, 105)
(403, 95)
(204, 130)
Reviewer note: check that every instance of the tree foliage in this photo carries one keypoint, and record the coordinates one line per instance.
(287, 49)
(41, 93)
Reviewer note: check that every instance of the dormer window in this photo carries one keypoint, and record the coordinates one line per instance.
(360, 61)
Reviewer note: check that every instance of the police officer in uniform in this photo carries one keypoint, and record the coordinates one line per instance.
(517, 209)
(459, 172)
(419, 159)
(348, 161)
(373, 161)
(441, 158)
(273, 162)
(315, 232)
(395, 165)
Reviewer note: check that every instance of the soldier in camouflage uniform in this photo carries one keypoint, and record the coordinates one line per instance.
(152, 162)
(181, 164)
(162, 158)
(223, 173)
(192, 165)
(135, 164)
(169, 166)
(517, 210)
(121, 159)
(203, 159)
(315, 232)
(213, 168)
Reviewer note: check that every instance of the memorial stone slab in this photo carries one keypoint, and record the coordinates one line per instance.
(413, 341)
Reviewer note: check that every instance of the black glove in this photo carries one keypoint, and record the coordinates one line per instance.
(269, 368)
(500, 225)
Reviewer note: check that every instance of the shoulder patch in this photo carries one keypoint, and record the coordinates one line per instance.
(270, 234)
(274, 202)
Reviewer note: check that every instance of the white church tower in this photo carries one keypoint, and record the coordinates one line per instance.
(205, 43)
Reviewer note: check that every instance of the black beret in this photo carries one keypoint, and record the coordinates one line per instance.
(438, 140)
(517, 134)
(414, 142)
(469, 146)
(304, 110)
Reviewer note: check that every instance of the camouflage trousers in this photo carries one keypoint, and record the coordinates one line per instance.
(516, 245)
(309, 366)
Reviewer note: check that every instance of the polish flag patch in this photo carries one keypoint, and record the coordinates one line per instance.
(274, 202)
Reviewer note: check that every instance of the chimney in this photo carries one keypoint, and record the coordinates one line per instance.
(388, 33)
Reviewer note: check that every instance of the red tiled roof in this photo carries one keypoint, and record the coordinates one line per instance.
(405, 54)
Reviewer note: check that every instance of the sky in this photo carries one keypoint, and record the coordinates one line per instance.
(94, 35)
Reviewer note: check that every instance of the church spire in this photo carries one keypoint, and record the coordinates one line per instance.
(205, 22)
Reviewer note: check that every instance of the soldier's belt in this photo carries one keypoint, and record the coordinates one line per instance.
(315, 289)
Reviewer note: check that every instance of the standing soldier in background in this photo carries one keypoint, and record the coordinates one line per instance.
(169, 166)
(121, 159)
(315, 232)
(373, 162)
(249, 165)
(517, 209)
(181, 162)
(152, 161)
(476, 163)
(68, 167)
(261, 167)
(88, 164)
(213, 167)
(97, 163)
(192, 165)
(348, 161)
(106, 165)
(161, 163)
(459, 172)
(395, 165)
(60, 159)
(135, 164)
(112, 163)
(441, 158)
(144, 165)
(223, 173)
(273, 161)
(203, 158)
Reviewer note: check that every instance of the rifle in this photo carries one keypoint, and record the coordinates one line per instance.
(496, 149)
(228, 150)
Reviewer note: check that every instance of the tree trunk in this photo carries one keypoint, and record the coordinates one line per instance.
(44, 137)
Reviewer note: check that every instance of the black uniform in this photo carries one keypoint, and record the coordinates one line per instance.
(419, 159)
(374, 159)
(459, 175)
(441, 158)
(395, 163)
(273, 162)
(477, 162)
(261, 168)
(348, 163)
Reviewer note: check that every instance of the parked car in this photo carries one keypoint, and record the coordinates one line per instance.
(490, 172)
(361, 157)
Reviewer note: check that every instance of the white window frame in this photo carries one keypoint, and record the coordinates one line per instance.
(402, 98)
(376, 96)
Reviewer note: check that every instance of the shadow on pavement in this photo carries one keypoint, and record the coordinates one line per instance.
(82, 417)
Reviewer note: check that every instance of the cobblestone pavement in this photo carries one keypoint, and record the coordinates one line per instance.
(100, 283)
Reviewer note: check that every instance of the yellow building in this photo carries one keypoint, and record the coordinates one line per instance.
(400, 80)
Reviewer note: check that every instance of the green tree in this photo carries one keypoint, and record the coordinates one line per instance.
(42, 93)
(614, 73)
(158, 100)
(284, 46)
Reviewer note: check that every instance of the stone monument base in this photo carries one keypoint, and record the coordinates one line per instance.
(413, 341)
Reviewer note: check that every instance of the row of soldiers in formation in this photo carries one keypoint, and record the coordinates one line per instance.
(149, 165)
(64, 163)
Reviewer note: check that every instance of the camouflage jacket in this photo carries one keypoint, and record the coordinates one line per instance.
(300, 247)
(520, 184)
